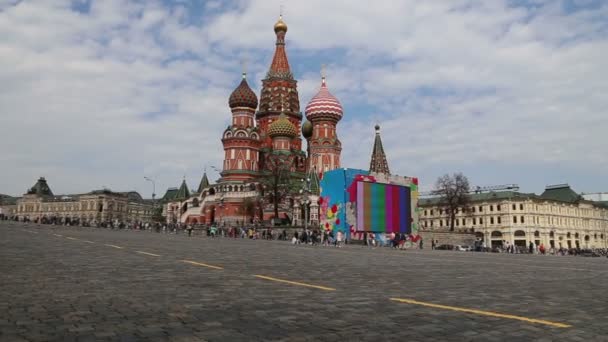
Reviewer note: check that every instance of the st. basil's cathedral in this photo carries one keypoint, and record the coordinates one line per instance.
(262, 147)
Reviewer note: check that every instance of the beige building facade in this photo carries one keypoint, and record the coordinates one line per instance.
(558, 218)
(40, 205)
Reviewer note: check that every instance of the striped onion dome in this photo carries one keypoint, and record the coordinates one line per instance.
(324, 104)
(282, 128)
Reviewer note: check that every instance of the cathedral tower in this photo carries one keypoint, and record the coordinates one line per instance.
(241, 139)
(378, 163)
(323, 111)
(279, 95)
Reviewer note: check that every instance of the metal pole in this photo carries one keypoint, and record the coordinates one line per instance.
(153, 193)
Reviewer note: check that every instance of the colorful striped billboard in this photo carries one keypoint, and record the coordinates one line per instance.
(383, 208)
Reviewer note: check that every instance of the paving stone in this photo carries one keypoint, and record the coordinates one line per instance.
(57, 289)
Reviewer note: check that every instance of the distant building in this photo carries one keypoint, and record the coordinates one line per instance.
(559, 217)
(40, 204)
(8, 206)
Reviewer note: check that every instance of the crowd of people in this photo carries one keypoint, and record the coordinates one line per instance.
(319, 237)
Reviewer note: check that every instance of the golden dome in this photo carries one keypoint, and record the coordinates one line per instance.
(282, 127)
(280, 26)
(307, 129)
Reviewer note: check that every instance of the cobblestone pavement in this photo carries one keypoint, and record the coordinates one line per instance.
(89, 284)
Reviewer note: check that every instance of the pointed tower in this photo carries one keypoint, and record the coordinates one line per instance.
(203, 184)
(183, 193)
(241, 139)
(324, 111)
(279, 95)
(378, 163)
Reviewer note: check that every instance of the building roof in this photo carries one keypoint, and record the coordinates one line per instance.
(170, 194)
(561, 193)
(183, 192)
(282, 127)
(203, 184)
(41, 188)
(378, 162)
(279, 68)
(324, 104)
(7, 200)
(243, 96)
(484, 196)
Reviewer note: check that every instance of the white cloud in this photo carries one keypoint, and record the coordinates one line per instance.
(134, 88)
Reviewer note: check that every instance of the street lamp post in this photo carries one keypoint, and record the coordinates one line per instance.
(153, 194)
(306, 191)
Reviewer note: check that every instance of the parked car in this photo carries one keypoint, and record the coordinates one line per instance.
(462, 248)
(445, 247)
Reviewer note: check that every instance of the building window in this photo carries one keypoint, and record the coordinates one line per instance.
(491, 220)
(498, 207)
(474, 221)
(440, 223)
(431, 212)
(521, 219)
(431, 223)
(481, 220)
(473, 209)
(521, 206)
(514, 207)
(514, 219)
(498, 219)
(457, 221)
(480, 209)
(491, 208)
(464, 221)
(425, 213)
(440, 211)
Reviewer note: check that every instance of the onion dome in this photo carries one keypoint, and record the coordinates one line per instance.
(282, 128)
(324, 104)
(280, 26)
(307, 129)
(243, 96)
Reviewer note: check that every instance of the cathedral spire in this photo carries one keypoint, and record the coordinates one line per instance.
(378, 163)
(280, 65)
(204, 183)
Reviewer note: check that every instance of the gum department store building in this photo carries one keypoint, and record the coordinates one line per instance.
(559, 217)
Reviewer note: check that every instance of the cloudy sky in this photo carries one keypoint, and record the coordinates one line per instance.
(104, 92)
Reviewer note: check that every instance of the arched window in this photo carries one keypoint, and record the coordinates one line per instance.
(551, 234)
(537, 233)
(568, 235)
(496, 234)
(520, 233)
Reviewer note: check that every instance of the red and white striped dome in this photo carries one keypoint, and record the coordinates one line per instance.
(324, 104)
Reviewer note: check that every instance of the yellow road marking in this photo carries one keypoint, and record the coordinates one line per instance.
(114, 246)
(482, 312)
(201, 264)
(295, 283)
(71, 238)
(146, 253)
